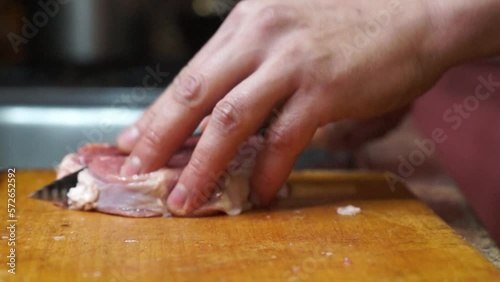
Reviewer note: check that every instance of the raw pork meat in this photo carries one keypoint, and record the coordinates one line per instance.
(100, 186)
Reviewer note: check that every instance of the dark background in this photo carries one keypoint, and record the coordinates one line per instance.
(102, 43)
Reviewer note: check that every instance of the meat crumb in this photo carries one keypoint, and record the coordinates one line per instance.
(131, 241)
(348, 210)
(328, 254)
(57, 238)
(347, 261)
(295, 269)
(93, 274)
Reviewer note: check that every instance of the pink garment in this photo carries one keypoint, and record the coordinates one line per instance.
(465, 104)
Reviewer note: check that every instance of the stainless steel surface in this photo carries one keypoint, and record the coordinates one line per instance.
(40, 125)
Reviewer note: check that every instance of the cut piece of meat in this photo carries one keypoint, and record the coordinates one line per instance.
(100, 186)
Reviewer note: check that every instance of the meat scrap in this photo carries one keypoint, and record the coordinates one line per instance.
(348, 210)
(101, 188)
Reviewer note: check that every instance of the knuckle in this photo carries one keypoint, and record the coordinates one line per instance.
(152, 138)
(294, 52)
(321, 77)
(274, 17)
(279, 139)
(242, 8)
(227, 115)
(188, 89)
(197, 166)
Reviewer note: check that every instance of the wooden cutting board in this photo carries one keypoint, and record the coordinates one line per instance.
(394, 238)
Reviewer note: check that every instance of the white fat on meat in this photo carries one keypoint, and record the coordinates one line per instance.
(84, 196)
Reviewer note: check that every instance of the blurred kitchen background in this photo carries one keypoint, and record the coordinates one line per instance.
(78, 71)
(73, 71)
(101, 43)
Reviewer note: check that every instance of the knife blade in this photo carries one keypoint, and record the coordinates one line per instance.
(57, 190)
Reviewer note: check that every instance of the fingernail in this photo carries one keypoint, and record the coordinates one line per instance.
(131, 167)
(177, 198)
(197, 131)
(128, 138)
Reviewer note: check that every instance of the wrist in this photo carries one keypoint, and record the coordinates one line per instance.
(463, 30)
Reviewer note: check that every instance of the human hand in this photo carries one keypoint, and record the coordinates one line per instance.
(302, 64)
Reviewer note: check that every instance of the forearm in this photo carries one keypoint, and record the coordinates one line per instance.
(464, 29)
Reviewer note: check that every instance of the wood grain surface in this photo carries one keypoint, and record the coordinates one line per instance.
(394, 238)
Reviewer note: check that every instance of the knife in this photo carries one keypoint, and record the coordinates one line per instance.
(57, 191)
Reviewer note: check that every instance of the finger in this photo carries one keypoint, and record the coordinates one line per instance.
(287, 136)
(130, 136)
(178, 111)
(204, 123)
(234, 119)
